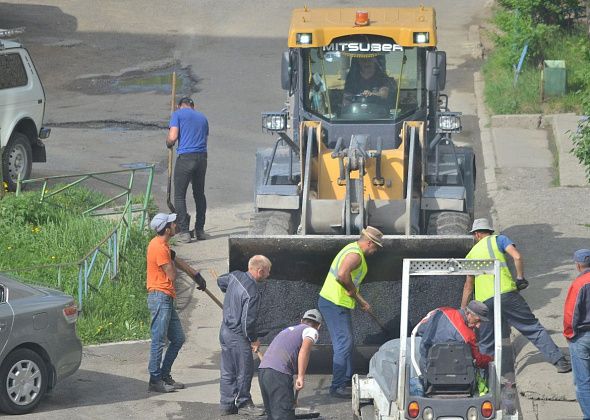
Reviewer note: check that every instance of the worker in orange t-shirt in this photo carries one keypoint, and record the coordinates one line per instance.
(165, 323)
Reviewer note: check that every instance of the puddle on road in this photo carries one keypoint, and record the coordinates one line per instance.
(157, 81)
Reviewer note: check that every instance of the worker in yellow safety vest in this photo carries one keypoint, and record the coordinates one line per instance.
(515, 311)
(339, 296)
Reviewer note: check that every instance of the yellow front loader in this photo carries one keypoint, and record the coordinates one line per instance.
(352, 151)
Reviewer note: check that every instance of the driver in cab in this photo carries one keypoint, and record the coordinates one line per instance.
(367, 79)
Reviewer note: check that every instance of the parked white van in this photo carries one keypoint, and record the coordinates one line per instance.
(22, 107)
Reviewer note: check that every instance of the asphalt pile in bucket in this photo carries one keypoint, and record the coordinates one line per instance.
(284, 302)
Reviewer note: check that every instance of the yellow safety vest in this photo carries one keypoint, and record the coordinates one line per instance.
(332, 289)
(487, 248)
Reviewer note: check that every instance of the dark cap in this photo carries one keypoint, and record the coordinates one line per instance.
(186, 100)
(313, 315)
(582, 256)
(478, 309)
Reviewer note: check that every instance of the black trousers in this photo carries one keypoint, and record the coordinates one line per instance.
(190, 169)
(277, 394)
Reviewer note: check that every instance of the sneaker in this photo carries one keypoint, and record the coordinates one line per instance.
(201, 235)
(563, 365)
(228, 410)
(160, 386)
(183, 238)
(249, 409)
(341, 392)
(169, 381)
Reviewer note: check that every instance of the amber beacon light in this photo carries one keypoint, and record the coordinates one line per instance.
(362, 18)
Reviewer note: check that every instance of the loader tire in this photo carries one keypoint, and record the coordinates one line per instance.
(448, 223)
(271, 223)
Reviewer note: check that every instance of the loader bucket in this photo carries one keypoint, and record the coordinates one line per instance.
(300, 264)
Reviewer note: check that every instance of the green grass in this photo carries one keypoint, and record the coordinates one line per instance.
(503, 97)
(35, 234)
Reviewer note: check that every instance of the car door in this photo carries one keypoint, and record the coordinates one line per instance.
(6, 318)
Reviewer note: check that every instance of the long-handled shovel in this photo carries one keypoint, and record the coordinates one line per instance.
(169, 187)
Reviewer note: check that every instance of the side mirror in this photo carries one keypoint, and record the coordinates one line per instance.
(286, 71)
(436, 70)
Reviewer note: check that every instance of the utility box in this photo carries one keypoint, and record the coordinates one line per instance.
(554, 78)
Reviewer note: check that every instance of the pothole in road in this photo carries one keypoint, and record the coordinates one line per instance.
(137, 81)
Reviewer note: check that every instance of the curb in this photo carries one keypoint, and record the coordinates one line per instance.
(91, 346)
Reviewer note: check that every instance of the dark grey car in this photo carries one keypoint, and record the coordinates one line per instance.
(38, 343)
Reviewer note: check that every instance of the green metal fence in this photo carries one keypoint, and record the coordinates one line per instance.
(102, 261)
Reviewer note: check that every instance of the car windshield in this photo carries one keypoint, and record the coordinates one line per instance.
(363, 79)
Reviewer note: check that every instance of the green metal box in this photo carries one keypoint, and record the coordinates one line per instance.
(554, 81)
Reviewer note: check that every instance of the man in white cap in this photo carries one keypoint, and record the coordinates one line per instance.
(287, 355)
(576, 328)
(165, 323)
(339, 296)
(515, 311)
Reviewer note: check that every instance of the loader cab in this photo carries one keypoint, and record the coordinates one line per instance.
(363, 79)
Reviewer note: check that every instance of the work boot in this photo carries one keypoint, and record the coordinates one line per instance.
(160, 386)
(228, 410)
(183, 238)
(249, 409)
(341, 392)
(201, 235)
(563, 365)
(169, 381)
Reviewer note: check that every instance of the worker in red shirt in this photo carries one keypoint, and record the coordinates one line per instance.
(576, 328)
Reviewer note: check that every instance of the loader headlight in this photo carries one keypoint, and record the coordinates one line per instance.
(428, 414)
(449, 122)
(303, 38)
(274, 121)
(472, 413)
(421, 37)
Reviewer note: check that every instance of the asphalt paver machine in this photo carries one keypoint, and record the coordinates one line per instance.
(352, 152)
(386, 393)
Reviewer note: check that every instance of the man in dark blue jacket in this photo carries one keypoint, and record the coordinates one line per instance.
(238, 336)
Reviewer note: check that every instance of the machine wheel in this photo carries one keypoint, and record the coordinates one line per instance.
(17, 159)
(271, 222)
(23, 381)
(448, 223)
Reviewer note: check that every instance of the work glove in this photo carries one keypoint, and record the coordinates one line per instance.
(172, 254)
(201, 283)
(522, 283)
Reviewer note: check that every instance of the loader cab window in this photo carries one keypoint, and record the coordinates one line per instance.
(363, 78)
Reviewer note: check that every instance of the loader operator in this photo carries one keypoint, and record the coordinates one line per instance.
(238, 336)
(367, 78)
(339, 296)
(515, 310)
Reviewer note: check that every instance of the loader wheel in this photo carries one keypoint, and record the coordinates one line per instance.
(272, 222)
(448, 223)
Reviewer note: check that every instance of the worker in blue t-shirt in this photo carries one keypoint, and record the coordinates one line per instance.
(191, 129)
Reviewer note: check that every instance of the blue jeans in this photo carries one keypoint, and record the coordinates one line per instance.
(339, 322)
(165, 325)
(517, 313)
(580, 356)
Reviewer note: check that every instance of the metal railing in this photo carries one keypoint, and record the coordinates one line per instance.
(102, 261)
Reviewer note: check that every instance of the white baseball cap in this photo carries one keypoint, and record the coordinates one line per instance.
(160, 221)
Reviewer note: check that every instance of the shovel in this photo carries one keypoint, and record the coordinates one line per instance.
(169, 186)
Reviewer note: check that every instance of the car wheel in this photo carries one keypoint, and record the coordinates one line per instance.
(23, 381)
(17, 159)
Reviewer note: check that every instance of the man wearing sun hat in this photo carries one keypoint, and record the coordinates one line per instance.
(287, 354)
(339, 296)
(515, 311)
(576, 328)
(165, 323)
